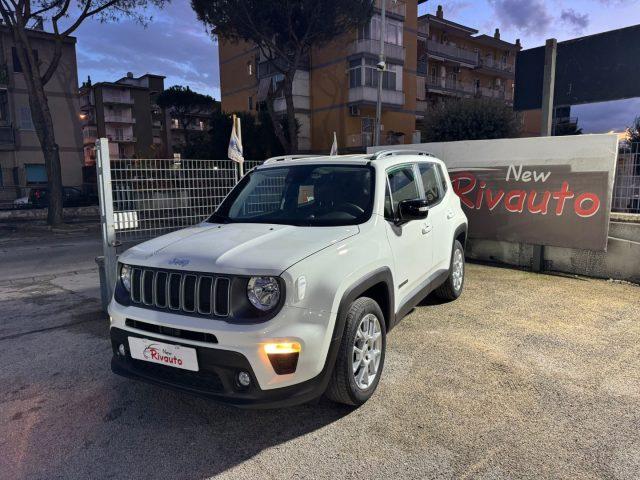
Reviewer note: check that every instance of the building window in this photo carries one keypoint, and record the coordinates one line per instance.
(4, 108)
(26, 122)
(276, 82)
(393, 31)
(250, 68)
(364, 72)
(355, 73)
(250, 103)
(17, 67)
(35, 173)
(175, 123)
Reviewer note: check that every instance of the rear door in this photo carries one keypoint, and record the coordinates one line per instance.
(431, 184)
(410, 243)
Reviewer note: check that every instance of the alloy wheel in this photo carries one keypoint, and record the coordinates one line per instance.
(367, 351)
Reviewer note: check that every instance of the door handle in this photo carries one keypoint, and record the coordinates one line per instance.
(426, 229)
(450, 214)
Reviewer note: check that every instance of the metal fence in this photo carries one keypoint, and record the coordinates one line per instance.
(626, 191)
(144, 198)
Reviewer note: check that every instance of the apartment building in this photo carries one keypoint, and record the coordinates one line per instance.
(125, 112)
(183, 131)
(336, 88)
(21, 159)
(453, 61)
(428, 58)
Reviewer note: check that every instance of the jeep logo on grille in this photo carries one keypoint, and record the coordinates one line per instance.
(180, 262)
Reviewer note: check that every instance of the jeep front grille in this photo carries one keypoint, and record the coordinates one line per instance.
(180, 291)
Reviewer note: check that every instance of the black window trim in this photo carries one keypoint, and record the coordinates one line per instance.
(418, 182)
(438, 179)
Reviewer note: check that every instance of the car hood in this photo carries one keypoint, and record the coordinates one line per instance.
(235, 248)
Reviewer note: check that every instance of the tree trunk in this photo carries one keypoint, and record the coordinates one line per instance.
(277, 126)
(291, 113)
(43, 124)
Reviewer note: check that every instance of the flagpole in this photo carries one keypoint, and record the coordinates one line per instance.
(239, 133)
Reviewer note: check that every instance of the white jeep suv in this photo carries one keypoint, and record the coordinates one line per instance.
(289, 289)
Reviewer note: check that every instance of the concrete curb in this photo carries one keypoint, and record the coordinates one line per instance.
(41, 213)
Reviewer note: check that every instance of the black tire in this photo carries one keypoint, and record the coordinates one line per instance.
(342, 386)
(448, 291)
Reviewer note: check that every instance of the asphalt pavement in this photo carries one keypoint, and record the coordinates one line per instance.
(525, 376)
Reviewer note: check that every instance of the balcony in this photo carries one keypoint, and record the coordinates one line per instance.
(498, 94)
(451, 52)
(89, 135)
(491, 66)
(450, 86)
(267, 69)
(119, 119)
(394, 8)
(121, 139)
(372, 46)
(370, 95)
(118, 100)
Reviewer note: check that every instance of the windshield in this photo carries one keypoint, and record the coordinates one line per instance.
(310, 195)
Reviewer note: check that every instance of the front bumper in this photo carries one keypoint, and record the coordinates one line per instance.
(217, 376)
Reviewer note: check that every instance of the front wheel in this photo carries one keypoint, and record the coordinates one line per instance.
(361, 355)
(452, 287)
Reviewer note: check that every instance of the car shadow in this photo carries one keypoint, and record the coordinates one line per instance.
(178, 435)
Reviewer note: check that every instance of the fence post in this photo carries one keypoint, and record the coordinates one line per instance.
(103, 164)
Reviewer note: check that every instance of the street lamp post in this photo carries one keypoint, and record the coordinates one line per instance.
(381, 68)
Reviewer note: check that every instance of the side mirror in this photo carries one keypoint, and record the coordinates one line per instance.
(417, 209)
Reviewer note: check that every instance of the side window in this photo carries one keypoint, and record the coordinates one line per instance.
(430, 182)
(402, 185)
(443, 179)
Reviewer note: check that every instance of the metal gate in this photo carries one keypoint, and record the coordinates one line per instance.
(144, 198)
(626, 192)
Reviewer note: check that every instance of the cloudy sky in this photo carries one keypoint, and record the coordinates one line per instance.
(176, 45)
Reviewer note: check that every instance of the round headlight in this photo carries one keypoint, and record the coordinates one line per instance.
(263, 292)
(125, 277)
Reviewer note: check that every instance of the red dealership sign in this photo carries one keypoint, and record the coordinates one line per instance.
(545, 191)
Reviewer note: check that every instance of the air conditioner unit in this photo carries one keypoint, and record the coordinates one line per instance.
(354, 110)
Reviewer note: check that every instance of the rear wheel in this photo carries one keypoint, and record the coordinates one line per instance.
(361, 355)
(452, 287)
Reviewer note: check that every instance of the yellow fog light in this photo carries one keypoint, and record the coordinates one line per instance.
(283, 356)
(281, 348)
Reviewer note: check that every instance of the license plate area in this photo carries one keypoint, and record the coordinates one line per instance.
(161, 353)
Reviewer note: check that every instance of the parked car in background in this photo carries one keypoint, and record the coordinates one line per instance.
(22, 202)
(71, 197)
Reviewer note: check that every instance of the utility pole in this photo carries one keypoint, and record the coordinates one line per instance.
(548, 86)
(382, 66)
(546, 127)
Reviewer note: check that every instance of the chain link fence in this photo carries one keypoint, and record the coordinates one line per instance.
(626, 191)
(142, 199)
(152, 197)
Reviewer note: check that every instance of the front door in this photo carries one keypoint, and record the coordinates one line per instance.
(410, 243)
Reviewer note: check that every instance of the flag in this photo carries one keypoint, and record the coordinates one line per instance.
(235, 143)
(334, 147)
